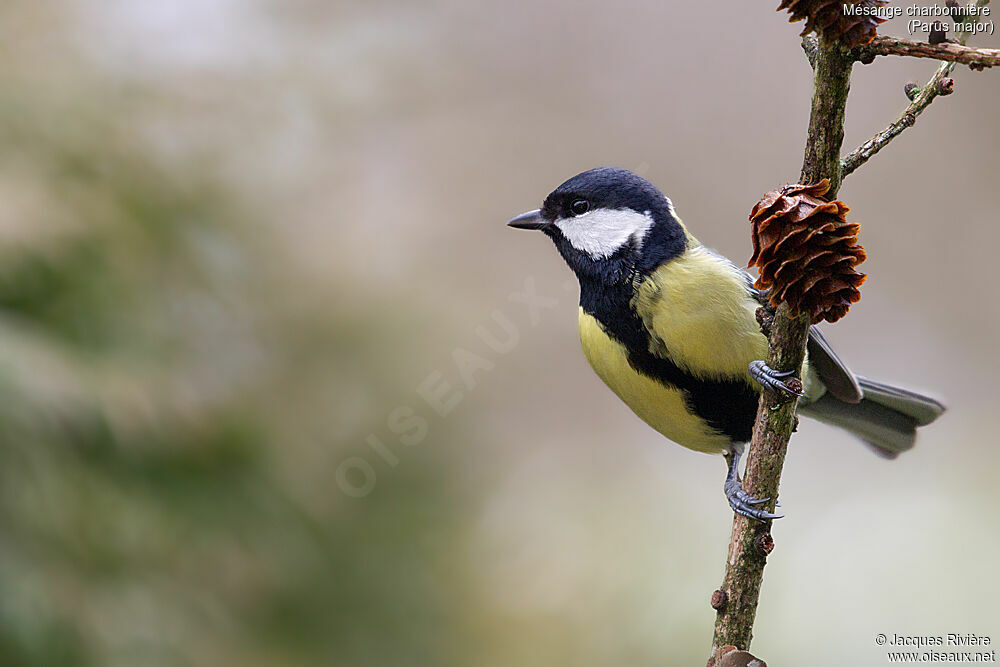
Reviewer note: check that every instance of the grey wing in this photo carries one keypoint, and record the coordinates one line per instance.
(838, 378)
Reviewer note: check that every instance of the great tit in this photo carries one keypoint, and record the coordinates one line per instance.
(670, 326)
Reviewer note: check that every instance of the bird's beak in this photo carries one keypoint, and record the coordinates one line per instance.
(529, 220)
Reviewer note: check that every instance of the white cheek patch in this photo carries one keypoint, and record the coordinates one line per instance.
(601, 232)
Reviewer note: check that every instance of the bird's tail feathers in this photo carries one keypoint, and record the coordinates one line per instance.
(886, 419)
(921, 409)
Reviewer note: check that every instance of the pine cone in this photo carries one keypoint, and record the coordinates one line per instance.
(827, 17)
(806, 251)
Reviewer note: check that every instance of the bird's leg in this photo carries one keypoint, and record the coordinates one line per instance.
(741, 501)
(775, 381)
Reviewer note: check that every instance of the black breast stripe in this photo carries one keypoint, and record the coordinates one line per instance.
(727, 405)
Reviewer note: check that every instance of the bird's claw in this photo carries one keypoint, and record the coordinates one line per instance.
(745, 504)
(741, 495)
(775, 380)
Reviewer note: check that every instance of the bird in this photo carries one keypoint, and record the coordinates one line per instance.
(670, 326)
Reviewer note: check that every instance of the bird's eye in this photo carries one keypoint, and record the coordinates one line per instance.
(580, 206)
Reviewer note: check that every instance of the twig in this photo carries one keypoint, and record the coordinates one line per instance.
(956, 53)
(908, 118)
(934, 87)
(751, 541)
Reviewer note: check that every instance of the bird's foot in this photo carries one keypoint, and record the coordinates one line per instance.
(775, 381)
(745, 504)
(741, 501)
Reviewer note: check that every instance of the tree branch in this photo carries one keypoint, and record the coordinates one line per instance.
(934, 87)
(751, 541)
(947, 51)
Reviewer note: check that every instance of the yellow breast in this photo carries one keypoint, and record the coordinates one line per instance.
(699, 314)
(661, 407)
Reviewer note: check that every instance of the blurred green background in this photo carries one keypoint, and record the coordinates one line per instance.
(248, 249)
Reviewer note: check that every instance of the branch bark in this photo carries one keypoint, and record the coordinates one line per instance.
(751, 541)
(956, 53)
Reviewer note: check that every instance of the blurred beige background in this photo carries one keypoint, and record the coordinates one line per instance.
(237, 237)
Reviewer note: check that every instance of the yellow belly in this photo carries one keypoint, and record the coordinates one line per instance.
(661, 407)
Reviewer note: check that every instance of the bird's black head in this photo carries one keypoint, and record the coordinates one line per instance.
(608, 223)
